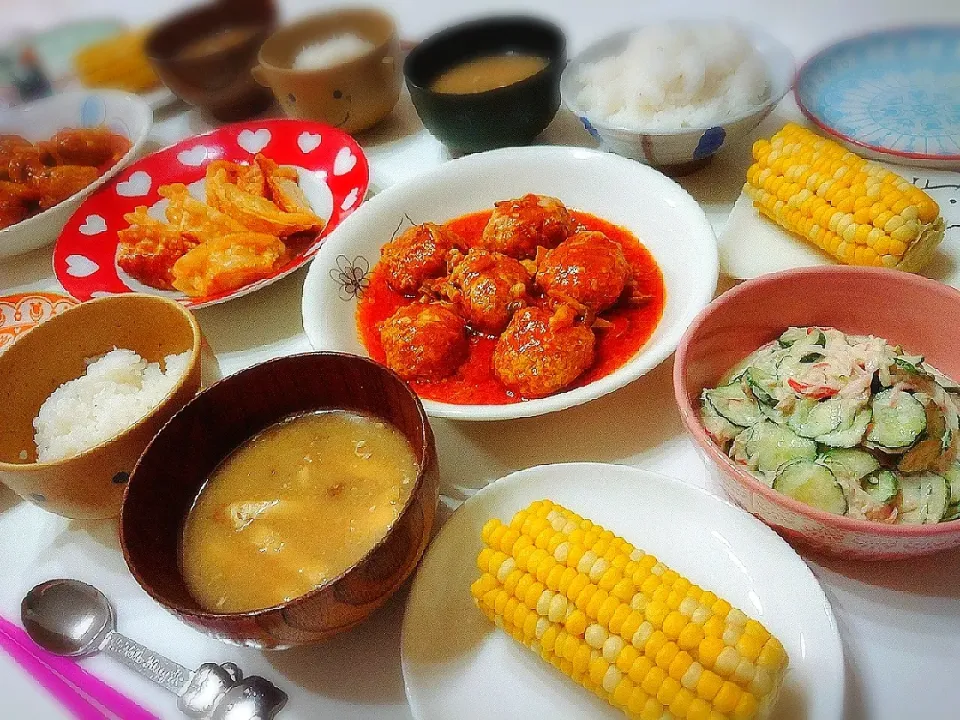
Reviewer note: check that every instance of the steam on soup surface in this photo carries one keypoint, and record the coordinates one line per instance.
(293, 508)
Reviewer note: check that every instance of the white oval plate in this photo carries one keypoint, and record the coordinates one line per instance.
(121, 112)
(456, 665)
(654, 208)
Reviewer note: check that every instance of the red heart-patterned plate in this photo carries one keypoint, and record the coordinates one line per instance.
(333, 174)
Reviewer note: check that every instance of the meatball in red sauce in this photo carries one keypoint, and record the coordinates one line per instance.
(542, 352)
(416, 255)
(424, 341)
(518, 227)
(488, 288)
(588, 270)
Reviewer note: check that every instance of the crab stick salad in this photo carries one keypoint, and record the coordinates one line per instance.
(849, 424)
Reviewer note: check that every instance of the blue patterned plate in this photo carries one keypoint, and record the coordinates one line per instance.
(891, 95)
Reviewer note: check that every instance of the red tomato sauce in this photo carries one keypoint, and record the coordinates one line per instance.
(475, 383)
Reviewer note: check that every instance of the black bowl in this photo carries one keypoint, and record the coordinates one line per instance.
(512, 115)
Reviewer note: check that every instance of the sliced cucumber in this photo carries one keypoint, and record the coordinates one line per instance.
(743, 450)
(774, 446)
(811, 357)
(898, 420)
(881, 485)
(850, 435)
(813, 484)
(735, 405)
(774, 415)
(850, 463)
(812, 419)
(761, 385)
(925, 453)
(792, 335)
(910, 364)
(718, 427)
(952, 476)
(923, 499)
(952, 513)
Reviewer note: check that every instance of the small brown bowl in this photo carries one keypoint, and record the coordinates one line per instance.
(178, 462)
(215, 75)
(89, 485)
(353, 95)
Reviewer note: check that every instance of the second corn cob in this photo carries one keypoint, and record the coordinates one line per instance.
(631, 630)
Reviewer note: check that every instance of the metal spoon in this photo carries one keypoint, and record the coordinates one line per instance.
(71, 618)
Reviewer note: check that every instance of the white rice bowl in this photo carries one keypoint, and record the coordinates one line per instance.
(117, 390)
(675, 75)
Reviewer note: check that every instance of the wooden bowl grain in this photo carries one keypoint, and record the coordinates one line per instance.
(175, 466)
(91, 484)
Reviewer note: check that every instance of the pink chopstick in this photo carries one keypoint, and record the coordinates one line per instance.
(86, 696)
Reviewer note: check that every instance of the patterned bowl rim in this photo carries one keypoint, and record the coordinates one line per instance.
(850, 41)
(692, 421)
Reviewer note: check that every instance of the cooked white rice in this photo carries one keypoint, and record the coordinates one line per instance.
(335, 50)
(675, 75)
(116, 391)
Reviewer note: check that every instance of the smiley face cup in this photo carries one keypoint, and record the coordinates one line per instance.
(353, 95)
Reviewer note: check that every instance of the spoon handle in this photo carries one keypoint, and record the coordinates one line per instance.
(153, 666)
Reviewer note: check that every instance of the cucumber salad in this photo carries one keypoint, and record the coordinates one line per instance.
(849, 424)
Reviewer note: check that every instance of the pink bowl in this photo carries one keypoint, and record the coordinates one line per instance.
(906, 309)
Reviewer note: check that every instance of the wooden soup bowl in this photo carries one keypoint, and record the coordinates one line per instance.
(91, 484)
(178, 462)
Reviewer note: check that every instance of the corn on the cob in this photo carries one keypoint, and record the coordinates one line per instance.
(853, 209)
(117, 62)
(622, 624)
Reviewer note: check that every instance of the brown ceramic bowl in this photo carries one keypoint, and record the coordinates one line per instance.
(174, 468)
(205, 56)
(89, 485)
(352, 96)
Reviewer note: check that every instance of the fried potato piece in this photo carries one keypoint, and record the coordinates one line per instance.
(251, 180)
(227, 263)
(283, 183)
(196, 218)
(255, 212)
(149, 249)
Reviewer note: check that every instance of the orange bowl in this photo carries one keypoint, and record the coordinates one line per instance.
(905, 309)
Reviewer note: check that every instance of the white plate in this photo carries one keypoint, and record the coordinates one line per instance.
(752, 245)
(121, 112)
(456, 665)
(657, 210)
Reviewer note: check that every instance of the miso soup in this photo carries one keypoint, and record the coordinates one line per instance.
(487, 72)
(293, 508)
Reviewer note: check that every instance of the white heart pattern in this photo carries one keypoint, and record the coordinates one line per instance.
(253, 141)
(308, 142)
(350, 199)
(344, 161)
(193, 157)
(137, 185)
(93, 225)
(79, 266)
